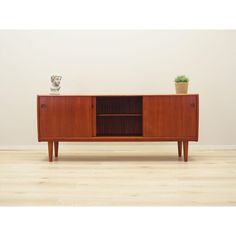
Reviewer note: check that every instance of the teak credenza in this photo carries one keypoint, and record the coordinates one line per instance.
(136, 118)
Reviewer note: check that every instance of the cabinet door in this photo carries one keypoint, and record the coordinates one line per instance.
(170, 116)
(64, 116)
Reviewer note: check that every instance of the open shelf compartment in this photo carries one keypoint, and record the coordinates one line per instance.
(119, 116)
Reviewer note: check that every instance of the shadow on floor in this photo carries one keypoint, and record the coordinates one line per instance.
(108, 158)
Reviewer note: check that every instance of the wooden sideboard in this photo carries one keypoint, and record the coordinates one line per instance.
(65, 118)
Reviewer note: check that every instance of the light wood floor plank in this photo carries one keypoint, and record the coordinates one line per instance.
(127, 176)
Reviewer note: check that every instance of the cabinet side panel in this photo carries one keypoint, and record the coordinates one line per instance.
(38, 118)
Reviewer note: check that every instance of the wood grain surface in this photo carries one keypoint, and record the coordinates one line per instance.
(133, 174)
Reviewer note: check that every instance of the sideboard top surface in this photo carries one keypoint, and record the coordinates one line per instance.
(111, 95)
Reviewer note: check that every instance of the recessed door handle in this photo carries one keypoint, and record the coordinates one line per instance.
(43, 106)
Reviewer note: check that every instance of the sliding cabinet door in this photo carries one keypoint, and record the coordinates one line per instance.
(64, 116)
(170, 116)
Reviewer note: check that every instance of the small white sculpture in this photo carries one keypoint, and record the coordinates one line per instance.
(55, 87)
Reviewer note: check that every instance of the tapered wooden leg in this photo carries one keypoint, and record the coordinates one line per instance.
(50, 150)
(56, 144)
(180, 149)
(185, 150)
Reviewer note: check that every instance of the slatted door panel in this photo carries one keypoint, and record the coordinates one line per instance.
(170, 116)
(65, 116)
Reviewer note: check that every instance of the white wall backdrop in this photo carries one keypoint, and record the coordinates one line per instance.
(117, 62)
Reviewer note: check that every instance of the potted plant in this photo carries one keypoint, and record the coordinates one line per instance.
(181, 84)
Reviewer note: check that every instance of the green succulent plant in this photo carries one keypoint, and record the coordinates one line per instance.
(181, 78)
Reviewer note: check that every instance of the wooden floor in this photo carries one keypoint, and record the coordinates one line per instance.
(119, 175)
